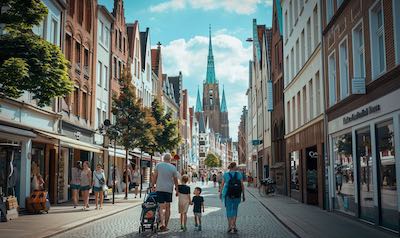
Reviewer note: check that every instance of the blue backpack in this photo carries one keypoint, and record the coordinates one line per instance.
(234, 186)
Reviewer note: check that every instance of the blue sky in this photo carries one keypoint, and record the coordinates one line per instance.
(182, 28)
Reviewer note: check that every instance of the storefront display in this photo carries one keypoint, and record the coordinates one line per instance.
(387, 174)
(344, 176)
(295, 170)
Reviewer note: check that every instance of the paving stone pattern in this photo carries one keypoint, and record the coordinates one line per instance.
(254, 221)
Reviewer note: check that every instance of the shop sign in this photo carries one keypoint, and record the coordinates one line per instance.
(362, 113)
(358, 86)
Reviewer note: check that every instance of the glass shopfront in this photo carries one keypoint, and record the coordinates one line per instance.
(365, 165)
(344, 175)
(370, 174)
(295, 170)
(386, 162)
(10, 167)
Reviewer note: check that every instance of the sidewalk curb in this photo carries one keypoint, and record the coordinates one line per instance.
(90, 221)
(274, 215)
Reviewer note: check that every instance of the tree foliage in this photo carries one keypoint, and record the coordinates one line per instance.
(129, 116)
(27, 61)
(166, 136)
(212, 161)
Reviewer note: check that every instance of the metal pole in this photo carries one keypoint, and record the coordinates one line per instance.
(115, 148)
(141, 173)
(126, 174)
(151, 169)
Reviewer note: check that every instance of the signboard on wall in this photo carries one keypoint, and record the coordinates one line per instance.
(358, 86)
(270, 98)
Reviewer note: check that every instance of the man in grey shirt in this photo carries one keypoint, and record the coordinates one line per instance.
(165, 177)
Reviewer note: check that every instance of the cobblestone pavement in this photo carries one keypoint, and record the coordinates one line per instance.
(253, 221)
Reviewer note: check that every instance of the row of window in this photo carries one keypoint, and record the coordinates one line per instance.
(295, 9)
(378, 53)
(102, 75)
(302, 50)
(304, 106)
(84, 9)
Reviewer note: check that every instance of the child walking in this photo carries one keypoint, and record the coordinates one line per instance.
(198, 207)
(184, 200)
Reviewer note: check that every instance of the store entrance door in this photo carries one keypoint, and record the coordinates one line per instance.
(312, 175)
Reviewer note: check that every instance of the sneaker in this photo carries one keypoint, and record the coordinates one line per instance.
(235, 230)
(229, 230)
(182, 227)
(196, 225)
(199, 228)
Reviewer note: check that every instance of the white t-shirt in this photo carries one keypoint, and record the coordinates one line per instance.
(165, 177)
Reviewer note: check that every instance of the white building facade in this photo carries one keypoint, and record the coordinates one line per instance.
(103, 63)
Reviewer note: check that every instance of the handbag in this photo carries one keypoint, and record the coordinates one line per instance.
(102, 181)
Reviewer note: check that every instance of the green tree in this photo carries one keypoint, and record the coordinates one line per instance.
(212, 161)
(28, 62)
(166, 136)
(129, 118)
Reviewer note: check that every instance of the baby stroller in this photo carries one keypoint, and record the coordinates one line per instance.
(149, 218)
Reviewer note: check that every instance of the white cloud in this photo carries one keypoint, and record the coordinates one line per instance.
(231, 62)
(168, 5)
(245, 7)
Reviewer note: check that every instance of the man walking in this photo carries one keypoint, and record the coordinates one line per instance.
(165, 177)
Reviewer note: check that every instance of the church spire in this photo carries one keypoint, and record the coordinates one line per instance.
(223, 102)
(210, 78)
(199, 108)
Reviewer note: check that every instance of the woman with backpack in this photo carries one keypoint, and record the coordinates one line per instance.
(231, 193)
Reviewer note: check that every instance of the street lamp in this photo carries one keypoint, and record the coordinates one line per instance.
(112, 134)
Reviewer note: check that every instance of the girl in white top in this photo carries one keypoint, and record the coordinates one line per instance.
(99, 182)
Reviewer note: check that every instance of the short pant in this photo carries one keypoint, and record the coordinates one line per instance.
(97, 189)
(197, 214)
(84, 188)
(164, 197)
(75, 186)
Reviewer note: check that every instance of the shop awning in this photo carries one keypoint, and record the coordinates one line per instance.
(120, 153)
(76, 144)
(17, 131)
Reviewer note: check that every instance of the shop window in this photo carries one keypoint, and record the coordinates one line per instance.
(365, 162)
(387, 174)
(295, 170)
(344, 174)
(37, 169)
